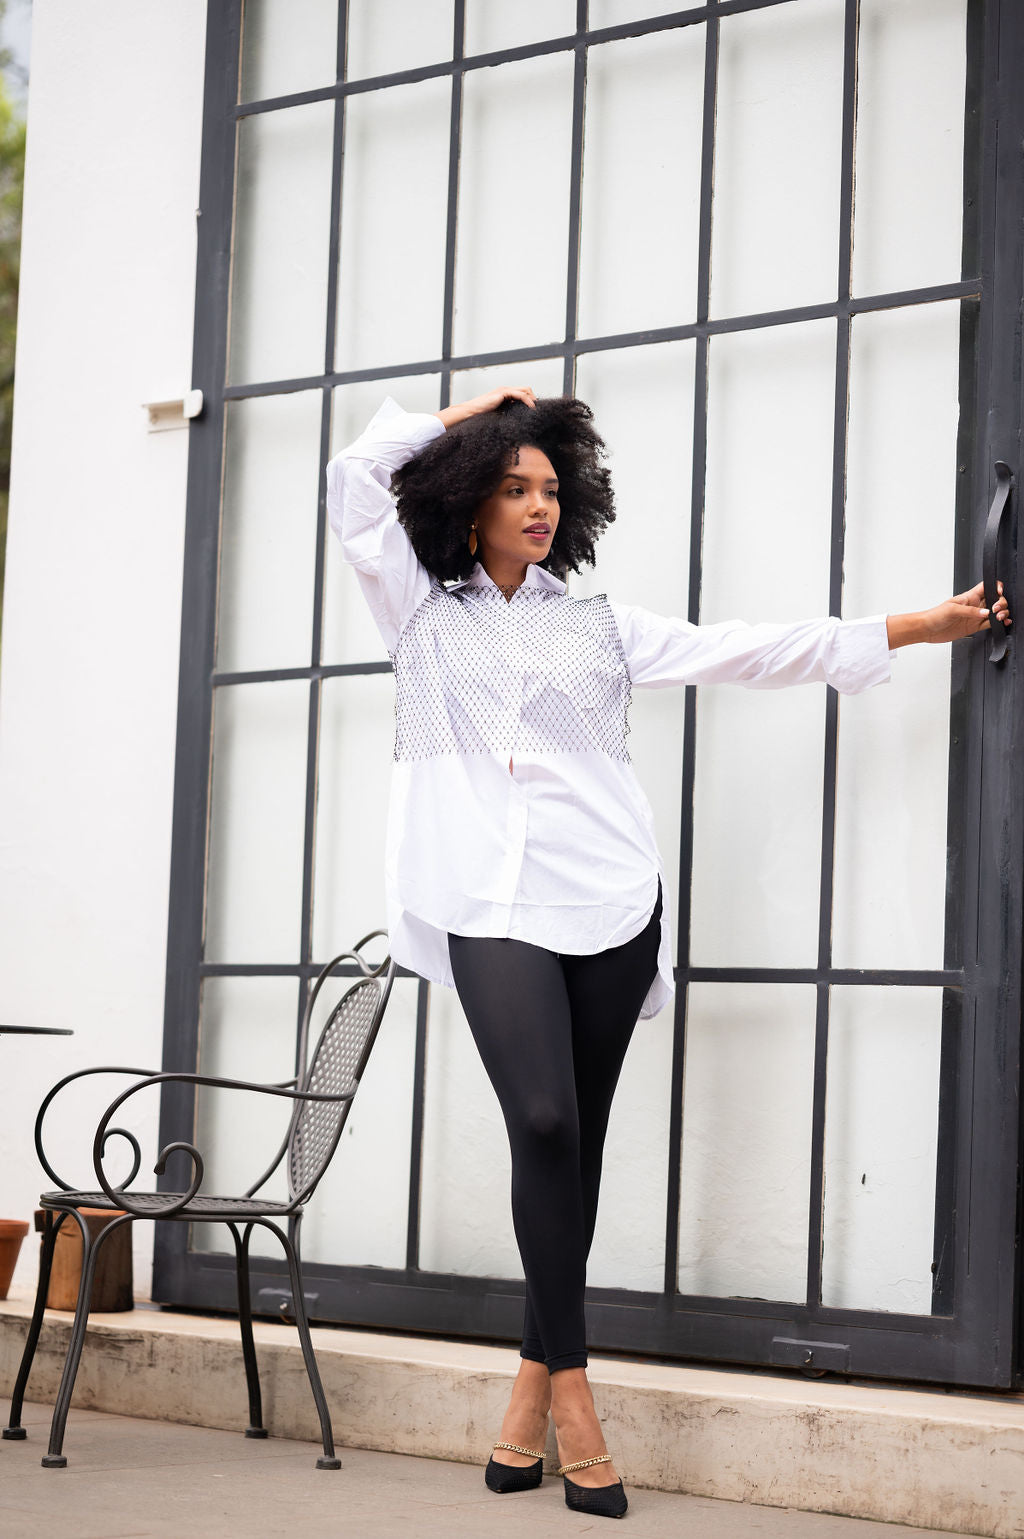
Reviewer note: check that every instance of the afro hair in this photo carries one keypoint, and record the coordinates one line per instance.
(439, 491)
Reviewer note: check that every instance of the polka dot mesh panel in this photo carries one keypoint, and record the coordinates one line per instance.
(332, 1070)
(542, 674)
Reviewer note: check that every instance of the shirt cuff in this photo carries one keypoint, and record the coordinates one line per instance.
(867, 656)
(395, 436)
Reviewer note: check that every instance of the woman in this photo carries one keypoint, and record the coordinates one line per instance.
(521, 860)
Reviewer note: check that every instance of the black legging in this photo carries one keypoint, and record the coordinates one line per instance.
(552, 1031)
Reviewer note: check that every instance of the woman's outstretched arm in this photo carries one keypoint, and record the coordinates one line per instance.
(963, 615)
(851, 655)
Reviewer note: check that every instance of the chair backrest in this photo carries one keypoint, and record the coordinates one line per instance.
(335, 1066)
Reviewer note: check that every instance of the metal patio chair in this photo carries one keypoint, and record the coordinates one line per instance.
(322, 1091)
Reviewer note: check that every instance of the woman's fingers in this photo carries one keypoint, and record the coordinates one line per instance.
(974, 598)
(491, 399)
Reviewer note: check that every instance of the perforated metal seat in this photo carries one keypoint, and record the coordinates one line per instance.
(322, 1096)
(153, 1204)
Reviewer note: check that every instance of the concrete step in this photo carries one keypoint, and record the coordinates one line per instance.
(154, 1480)
(932, 1459)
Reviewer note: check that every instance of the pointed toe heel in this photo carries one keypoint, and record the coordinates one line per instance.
(596, 1501)
(514, 1477)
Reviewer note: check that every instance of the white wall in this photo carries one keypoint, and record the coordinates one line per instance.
(93, 590)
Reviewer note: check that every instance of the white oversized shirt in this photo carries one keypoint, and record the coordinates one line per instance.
(561, 851)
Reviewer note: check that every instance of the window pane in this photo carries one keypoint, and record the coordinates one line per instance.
(543, 375)
(514, 205)
(359, 1214)
(746, 1140)
(490, 27)
(357, 736)
(641, 183)
(391, 286)
(881, 1126)
(465, 1219)
(254, 877)
(612, 13)
(777, 158)
(282, 224)
(768, 504)
(891, 810)
(629, 1242)
(910, 144)
(385, 36)
(757, 806)
(757, 827)
(642, 402)
(247, 1030)
(642, 399)
(288, 45)
(268, 531)
(350, 635)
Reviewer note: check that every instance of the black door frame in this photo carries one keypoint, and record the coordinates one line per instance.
(972, 1337)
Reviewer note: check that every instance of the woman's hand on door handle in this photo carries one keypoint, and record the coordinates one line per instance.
(963, 615)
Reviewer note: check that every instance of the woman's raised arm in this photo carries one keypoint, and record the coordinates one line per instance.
(450, 415)
(362, 514)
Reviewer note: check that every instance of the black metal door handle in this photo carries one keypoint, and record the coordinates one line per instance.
(1000, 504)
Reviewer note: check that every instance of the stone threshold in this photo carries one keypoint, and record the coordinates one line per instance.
(928, 1458)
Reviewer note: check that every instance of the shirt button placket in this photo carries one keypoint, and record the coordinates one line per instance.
(517, 808)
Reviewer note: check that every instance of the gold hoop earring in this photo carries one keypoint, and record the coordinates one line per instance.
(472, 539)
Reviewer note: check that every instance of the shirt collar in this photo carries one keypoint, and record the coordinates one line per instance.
(536, 577)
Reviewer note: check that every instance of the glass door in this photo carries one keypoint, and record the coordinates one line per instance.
(776, 247)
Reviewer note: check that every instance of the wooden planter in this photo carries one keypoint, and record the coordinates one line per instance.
(112, 1287)
(12, 1232)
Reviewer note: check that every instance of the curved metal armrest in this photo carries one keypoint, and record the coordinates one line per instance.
(174, 1205)
(66, 1186)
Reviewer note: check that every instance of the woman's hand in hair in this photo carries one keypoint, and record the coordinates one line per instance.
(963, 615)
(450, 415)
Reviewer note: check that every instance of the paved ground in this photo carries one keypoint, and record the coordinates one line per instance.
(130, 1479)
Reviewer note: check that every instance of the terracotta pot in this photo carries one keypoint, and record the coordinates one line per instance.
(12, 1232)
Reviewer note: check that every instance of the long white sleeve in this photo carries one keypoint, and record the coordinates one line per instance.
(851, 655)
(362, 514)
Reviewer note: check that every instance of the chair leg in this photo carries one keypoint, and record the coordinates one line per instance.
(252, 1375)
(51, 1223)
(54, 1458)
(328, 1460)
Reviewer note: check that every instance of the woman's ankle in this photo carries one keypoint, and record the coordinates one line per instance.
(571, 1395)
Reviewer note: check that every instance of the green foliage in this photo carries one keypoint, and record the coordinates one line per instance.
(12, 177)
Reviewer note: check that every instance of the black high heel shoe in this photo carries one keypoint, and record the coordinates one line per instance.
(514, 1477)
(596, 1501)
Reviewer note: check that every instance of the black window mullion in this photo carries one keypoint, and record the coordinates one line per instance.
(840, 451)
(697, 497)
(452, 221)
(186, 898)
(572, 285)
(412, 1236)
(964, 805)
(966, 288)
(641, 27)
(316, 681)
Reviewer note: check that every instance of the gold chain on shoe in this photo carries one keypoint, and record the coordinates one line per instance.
(582, 1464)
(515, 1448)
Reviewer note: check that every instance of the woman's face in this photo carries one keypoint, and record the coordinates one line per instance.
(517, 522)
